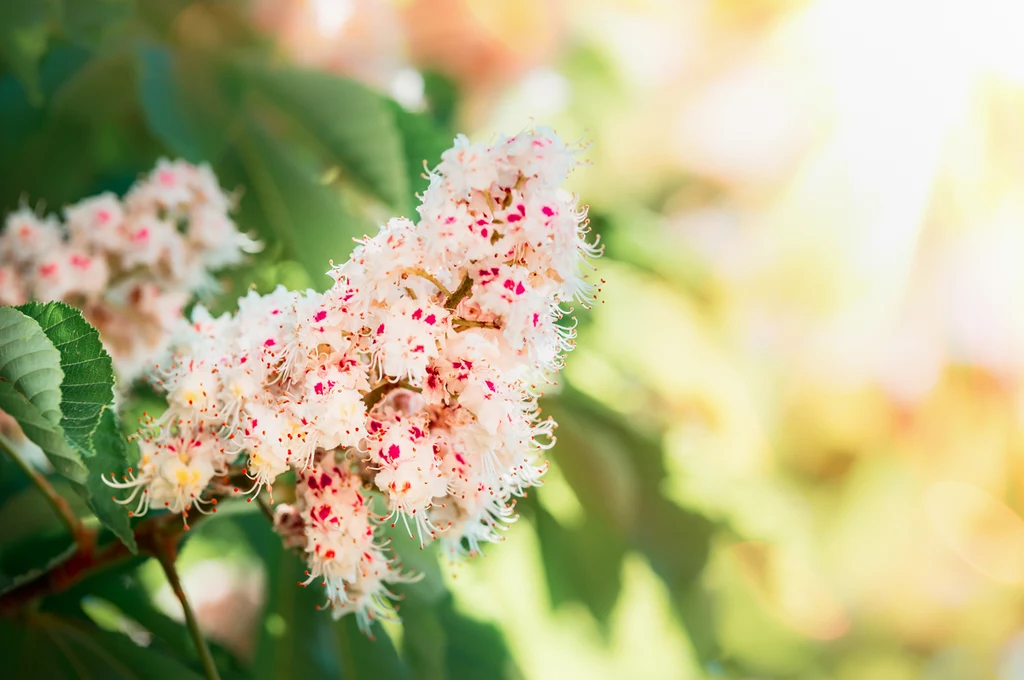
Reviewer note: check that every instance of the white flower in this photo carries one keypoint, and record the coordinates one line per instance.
(411, 381)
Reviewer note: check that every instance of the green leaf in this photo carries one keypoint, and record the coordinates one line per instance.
(181, 104)
(354, 125)
(27, 558)
(440, 642)
(30, 379)
(87, 387)
(94, 22)
(297, 635)
(422, 141)
(109, 455)
(51, 647)
(47, 436)
(594, 544)
(122, 588)
(30, 363)
(89, 422)
(442, 95)
(24, 36)
(285, 199)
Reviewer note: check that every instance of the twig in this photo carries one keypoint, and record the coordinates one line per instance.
(460, 293)
(56, 501)
(166, 551)
(265, 507)
(430, 277)
(465, 324)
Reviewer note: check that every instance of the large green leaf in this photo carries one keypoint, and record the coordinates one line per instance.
(175, 95)
(354, 125)
(87, 387)
(30, 363)
(286, 200)
(47, 646)
(87, 393)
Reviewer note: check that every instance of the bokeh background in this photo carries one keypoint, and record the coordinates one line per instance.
(791, 435)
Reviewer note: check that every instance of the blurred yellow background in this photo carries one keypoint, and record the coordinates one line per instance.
(814, 218)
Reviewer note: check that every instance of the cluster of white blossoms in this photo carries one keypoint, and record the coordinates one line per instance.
(131, 265)
(411, 383)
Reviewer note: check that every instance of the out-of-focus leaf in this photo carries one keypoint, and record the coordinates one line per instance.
(354, 125)
(564, 549)
(603, 458)
(286, 200)
(181, 101)
(94, 22)
(442, 95)
(24, 35)
(96, 91)
(422, 140)
(440, 642)
(50, 647)
(297, 638)
(121, 588)
(25, 559)
(596, 462)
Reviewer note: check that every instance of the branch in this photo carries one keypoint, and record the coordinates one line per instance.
(56, 501)
(166, 551)
(88, 559)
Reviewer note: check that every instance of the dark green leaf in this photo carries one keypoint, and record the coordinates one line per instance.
(24, 35)
(354, 125)
(54, 648)
(440, 642)
(24, 559)
(442, 95)
(87, 393)
(109, 457)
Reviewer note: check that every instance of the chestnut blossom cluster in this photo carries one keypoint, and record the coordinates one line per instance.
(132, 264)
(406, 393)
